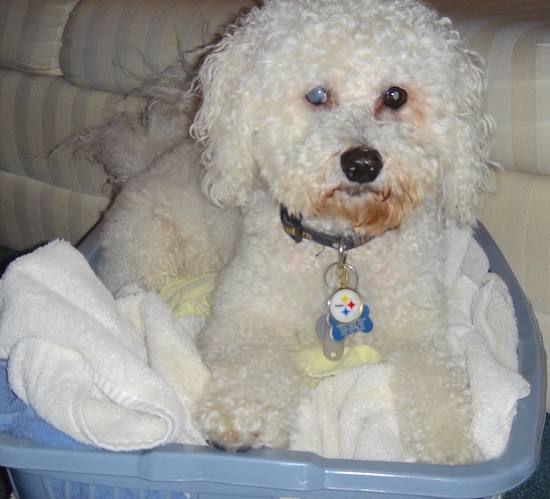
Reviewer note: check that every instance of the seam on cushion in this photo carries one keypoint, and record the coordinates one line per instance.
(63, 36)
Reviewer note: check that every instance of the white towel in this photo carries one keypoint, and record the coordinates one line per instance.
(483, 328)
(115, 374)
(351, 416)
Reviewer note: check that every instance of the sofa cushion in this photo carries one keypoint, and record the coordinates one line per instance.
(30, 34)
(38, 114)
(113, 46)
(513, 37)
(32, 212)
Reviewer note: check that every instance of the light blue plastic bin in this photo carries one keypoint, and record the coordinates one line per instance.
(179, 471)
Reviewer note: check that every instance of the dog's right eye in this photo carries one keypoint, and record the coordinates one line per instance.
(317, 96)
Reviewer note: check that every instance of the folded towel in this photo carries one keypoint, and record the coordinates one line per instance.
(124, 370)
(491, 351)
(483, 327)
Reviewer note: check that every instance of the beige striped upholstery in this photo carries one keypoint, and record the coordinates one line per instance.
(140, 36)
(30, 34)
(513, 37)
(47, 211)
(63, 110)
(109, 47)
(37, 114)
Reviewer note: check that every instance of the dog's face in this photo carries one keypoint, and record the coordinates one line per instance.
(353, 111)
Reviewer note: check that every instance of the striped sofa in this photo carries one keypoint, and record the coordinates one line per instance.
(66, 65)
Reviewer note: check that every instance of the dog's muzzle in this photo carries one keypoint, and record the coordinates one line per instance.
(361, 165)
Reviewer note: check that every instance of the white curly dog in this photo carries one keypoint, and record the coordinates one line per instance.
(322, 146)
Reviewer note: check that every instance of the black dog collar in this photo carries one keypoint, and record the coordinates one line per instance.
(294, 228)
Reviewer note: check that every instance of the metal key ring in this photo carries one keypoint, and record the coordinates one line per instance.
(351, 283)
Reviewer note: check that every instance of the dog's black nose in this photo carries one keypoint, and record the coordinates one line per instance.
(361, 165)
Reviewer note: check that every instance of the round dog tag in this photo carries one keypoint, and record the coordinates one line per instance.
(345, 306)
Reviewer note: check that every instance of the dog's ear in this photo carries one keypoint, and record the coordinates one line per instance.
(224, 123)
(472, 137)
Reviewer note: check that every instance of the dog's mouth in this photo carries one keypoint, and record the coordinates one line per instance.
(369, 209)
(356, 192)
(359, 190)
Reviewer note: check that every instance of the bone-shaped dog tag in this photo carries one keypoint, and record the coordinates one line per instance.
(348, 314)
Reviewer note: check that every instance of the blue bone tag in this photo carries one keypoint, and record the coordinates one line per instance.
(339, 331)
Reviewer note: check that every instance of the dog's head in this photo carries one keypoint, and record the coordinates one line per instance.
(355, 110)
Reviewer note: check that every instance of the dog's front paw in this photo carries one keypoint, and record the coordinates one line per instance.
(239, 427)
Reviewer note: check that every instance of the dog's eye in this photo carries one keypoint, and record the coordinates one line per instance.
(317, 96)
(395, 98)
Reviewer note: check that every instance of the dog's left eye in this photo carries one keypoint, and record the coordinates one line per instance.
(395, 98)
(317, 96)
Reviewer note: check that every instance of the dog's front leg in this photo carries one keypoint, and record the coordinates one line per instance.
(254, 390)
(433, 403)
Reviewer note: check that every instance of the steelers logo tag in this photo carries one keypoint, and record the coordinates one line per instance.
(345, 306)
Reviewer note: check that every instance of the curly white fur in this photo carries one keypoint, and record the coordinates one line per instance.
(257, 143)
